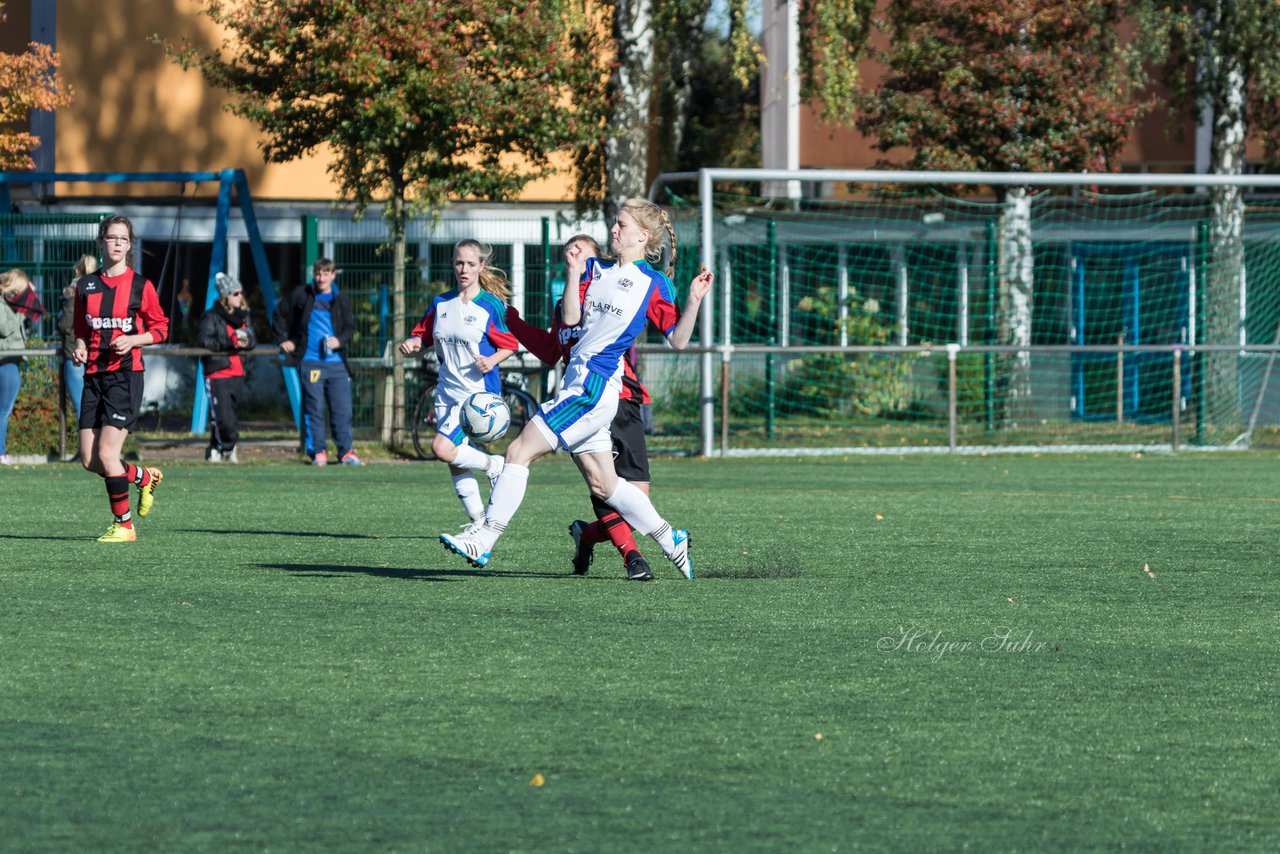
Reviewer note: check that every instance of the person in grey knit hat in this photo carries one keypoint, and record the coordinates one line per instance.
(225, 330)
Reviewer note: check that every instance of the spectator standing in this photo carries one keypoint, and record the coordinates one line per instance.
(225, 330)
(19, 303)
(313, 327)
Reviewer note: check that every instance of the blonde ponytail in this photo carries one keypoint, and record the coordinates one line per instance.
(654, 220)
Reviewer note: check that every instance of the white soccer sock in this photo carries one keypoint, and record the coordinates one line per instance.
(638, 510)
(496, 462)
(468, 490)
(504, 501)
(470, 458)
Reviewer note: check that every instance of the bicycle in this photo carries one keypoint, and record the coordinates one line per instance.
(518, 400)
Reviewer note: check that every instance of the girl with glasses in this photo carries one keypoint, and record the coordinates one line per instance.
(117, 312)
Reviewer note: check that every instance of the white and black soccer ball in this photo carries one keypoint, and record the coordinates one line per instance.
(485, 417)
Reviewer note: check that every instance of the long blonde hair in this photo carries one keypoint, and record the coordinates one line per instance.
(86, 265)
(492, 279)
(13, 280)
(654, 220)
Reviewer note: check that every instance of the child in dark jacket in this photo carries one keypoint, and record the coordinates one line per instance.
(225, 330)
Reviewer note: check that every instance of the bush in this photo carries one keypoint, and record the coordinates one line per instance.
(841, 385)
(33, 427)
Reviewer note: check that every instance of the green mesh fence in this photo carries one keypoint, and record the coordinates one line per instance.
(1116, 319)
(840, 315)
(526, 249)
(46, 247)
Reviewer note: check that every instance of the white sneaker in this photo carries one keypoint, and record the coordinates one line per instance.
(472, 527)
(231, 457)
(468, 546)
(680, 556)
(496, 462)
(213, 456)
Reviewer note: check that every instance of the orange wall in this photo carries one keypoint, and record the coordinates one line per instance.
(145, 114)
(136, 111)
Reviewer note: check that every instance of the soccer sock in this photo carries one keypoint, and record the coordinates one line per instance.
(596, 531)
(118, 497)
(638, 510)
(612, 527)
(504, 501)
(471, 458)
(137, 475)
(468, 490)
(665, 539)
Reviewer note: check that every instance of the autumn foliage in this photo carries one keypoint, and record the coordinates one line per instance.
(1005, 85)
(28, 81)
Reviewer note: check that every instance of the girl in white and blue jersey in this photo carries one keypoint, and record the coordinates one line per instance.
(468, 329)
(620, 298)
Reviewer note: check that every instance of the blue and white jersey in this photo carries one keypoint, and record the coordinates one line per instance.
(619, 300)
(460, 331)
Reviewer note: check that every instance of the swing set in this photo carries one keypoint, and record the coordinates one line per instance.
(230, 181)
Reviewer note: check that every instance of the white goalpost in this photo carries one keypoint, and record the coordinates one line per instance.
(890, 312)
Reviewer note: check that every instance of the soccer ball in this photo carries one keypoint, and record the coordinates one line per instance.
(485, 417)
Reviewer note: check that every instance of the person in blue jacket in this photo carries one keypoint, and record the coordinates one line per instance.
(313, 327)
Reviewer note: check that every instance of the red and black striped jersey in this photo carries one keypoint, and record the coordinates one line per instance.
(109, 306)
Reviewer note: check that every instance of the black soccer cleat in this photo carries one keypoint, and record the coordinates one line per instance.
(582, 550)
(638, 568)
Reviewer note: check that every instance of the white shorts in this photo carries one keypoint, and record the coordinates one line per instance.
(578, 417)
(449, 421)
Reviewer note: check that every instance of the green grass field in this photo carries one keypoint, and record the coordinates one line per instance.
(922, 653)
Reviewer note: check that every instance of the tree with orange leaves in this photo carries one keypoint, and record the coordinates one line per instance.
(28, 81)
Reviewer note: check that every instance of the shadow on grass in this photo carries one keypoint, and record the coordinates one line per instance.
(321, 570)
(84, 538)
(330, 534)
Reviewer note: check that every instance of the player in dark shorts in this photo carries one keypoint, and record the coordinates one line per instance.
(117, 312)
(630, 453)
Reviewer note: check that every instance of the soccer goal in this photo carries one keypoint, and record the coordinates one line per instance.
(873, 312)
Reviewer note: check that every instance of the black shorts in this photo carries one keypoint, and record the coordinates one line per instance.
(630, 453)
(111, 399)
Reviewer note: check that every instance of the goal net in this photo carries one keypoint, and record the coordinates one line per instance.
(877, 311)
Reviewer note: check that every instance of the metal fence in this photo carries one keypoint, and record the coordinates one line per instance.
(46, 247)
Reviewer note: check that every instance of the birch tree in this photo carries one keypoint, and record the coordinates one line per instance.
(630, 93)
(1224, 65)
(667, 63)
(998, 86)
